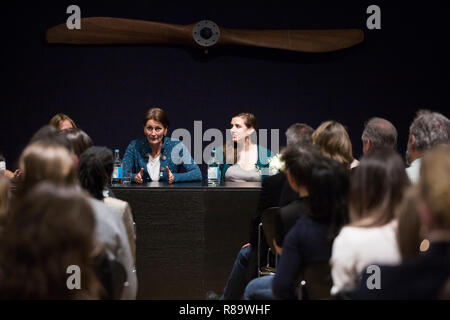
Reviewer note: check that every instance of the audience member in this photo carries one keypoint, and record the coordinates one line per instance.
(44, 160)
(275, 191)
(50, 231)
(299, 133)
(309, 241)
(379, 133)
(377, 188)
(79, 139)
(5, 197)
(333, 140)
(298, 161)
(427, 276)
(47, 160)
(5, 172)
(410, 240)
(62, 122)
(428, 129)
(94, 173)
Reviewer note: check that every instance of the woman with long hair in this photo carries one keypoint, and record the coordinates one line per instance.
(62, 122)
(49, 234)
(377, 188)
(241, 158)
(333, 140)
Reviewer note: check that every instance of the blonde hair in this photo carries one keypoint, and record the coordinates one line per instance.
(45, 161)
(434, 184)
(333, 140)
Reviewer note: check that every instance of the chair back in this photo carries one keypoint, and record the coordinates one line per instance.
(271, 225)
(317, 282)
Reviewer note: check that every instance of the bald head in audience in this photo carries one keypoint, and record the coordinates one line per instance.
(379, 133)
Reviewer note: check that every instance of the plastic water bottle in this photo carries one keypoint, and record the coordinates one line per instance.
(118, 169)
(213, 170)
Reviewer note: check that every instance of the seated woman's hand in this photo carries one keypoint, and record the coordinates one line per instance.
(170, 175)
(139, 177)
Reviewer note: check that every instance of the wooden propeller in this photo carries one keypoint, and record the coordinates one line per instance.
(205, 34)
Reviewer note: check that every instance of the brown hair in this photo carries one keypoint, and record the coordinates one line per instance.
(52, 229)
(333, 140)
(250, 122)
(434, 185)
(79, 140)
(60, 117)
(45, 161)
(377, 187)
(408, 233)
(5, 196)
(156, 114)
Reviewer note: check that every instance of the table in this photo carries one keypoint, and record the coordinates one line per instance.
(188, 235)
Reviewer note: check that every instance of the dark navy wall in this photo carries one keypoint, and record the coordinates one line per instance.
(106, 89)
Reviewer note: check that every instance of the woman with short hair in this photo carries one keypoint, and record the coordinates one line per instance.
(94, 173)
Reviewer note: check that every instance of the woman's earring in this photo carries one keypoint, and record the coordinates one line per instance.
(425, 244)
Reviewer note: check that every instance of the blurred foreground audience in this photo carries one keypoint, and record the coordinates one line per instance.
(428, 275)
(94, 172)
(377, 187)
(50, 230)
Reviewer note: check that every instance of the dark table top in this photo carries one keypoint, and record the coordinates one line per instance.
(189, 185)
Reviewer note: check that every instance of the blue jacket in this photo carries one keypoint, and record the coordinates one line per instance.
(173, 154)
(264, 155)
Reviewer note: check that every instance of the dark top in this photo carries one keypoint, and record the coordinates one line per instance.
(420, 278)
(287, 194)
(289, 215)
(306, 243)
(273, 190)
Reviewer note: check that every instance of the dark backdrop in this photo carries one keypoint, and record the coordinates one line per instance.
(106, 89)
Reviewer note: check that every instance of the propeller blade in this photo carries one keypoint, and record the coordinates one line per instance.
(104, 30)
(294, 40)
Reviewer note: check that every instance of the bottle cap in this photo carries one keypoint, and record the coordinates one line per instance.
(117, 150)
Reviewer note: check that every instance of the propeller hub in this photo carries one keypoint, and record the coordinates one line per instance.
(206, 33)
